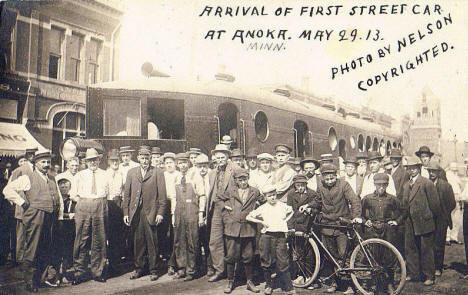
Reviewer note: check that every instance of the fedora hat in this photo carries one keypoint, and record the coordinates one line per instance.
(424, 149)
(181, 156)
(362, 155)
(351, 160)
(395, 153)
(239, 172)
(412, 161)
(42, 154)
(237, 153)
(374, 155)
(202, 159)
(221, 148)
(155, 150)
(433, 165)
(92, 153)
(310, 160)
(126, 149)
(113, 154)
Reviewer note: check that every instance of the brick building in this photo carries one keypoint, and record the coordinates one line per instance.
(49, 52)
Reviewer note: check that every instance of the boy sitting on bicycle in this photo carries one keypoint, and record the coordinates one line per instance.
(302, 200)
(273, 215)
(338, 201)
(381, 212)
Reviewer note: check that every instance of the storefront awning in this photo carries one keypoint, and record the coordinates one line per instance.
(15, 139)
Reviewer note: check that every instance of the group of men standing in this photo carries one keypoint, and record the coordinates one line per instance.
(177, 206)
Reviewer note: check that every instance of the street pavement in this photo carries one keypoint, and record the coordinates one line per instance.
(449, 283)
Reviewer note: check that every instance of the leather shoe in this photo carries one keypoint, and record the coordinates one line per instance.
(100, 279)
(77, 281)
(31, 288)
(188, 278)
(154, 277)
(171, 271)
(229, 287)
(136, 275)
(268, 290)
(210, 273)
(216, 277)
(180, 275)
(438, 273)
(428, 282)
(251, 287)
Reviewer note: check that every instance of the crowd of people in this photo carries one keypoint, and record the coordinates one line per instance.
(224, 217)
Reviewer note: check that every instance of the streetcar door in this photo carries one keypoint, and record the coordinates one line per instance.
(302, 139)
(228, 115)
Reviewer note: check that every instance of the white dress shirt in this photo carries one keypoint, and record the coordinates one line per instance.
(259, 179)
(170, 179)
(124, 167)
(82, 184)
(352, 181)
(116, 183)
(312, 183)
(274, 216)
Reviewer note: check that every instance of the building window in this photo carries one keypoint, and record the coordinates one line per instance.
(55, 53)
(8, 109)
(122, 123)
(424, 110)
(92, 57)
(75, 57)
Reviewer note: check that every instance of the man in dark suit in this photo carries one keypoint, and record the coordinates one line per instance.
(447, 204)
(240, 234)
(425, 155)
(423, 206)
(144, 205)
(399, 174)
(222, 180)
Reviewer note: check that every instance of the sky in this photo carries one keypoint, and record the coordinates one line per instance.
(172, 36)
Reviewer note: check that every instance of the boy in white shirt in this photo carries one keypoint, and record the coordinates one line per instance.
(274, 216)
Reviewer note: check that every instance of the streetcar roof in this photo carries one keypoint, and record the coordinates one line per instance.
(254, 94)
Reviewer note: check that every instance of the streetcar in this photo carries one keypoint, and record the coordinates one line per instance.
(176, 114)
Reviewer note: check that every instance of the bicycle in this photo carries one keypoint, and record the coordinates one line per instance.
(375, 265)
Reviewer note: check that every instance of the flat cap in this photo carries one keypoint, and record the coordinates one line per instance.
(395, 153)
(282, 148)
(144, 150)
(194, 151)
(310, 160)
(239, 172)
(181, 156)
(299, 178)
(126, 149)
(328, 168)
(265, 156)
(381, 178)
(155, 150)
(168, 155)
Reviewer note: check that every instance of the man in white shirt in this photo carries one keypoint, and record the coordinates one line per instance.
(193, 171)
(283, 176)
(262, 176)
(309, 165)
(114, 204)
(368, 186)
(90, 188)
(38, 195)
(361, 159)
(457, 213)
(72, 168)
(127, 163)
(354, 180)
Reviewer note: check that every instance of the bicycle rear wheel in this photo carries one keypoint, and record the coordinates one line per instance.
(305, 258)
(384, 269)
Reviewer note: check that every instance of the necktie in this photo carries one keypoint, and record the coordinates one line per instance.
(183, 182)
(93, 184)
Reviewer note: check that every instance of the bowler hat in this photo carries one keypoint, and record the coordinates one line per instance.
(42, 154)
(155, 150)
(412, 161)
(351, 160)
(113, 154)
(374, 155)
(239, 172)
(144, 150)
(237, 153)
(282, 148)
(328, 168)
(395, 153)
(424, 149)
(381, 178)
(226, 139)
(168, 155)
(265, 156)
(194, 151)
(202, 159)
(221, 148)
(92, 153)
(252, 153)
(299, 178)
(126, 149)
(310, 160)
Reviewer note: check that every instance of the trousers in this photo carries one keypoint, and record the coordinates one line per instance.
(440, 234)
(145, 244)
(217, 239)
(419, 251)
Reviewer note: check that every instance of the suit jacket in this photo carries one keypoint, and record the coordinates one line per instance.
(149, 192)
(235, 224)
(422, 204)
(447, 200)
(359, 182)
(400, 176)
(226, 183)
(26, 169)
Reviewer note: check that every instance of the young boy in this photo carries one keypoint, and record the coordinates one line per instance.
(188, 216)
(274, 216)
(66, 228)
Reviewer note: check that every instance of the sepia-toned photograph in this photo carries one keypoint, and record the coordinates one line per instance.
(233, 147)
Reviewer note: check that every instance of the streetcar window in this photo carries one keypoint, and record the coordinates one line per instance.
(352, 142)
(332, 140)
(261, 126)
(301, 146)
(368, 143)
(165, 118)
(122, 117)
(361, 143)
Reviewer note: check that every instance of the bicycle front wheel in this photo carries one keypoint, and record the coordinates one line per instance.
(305, 258)
(379, 268)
